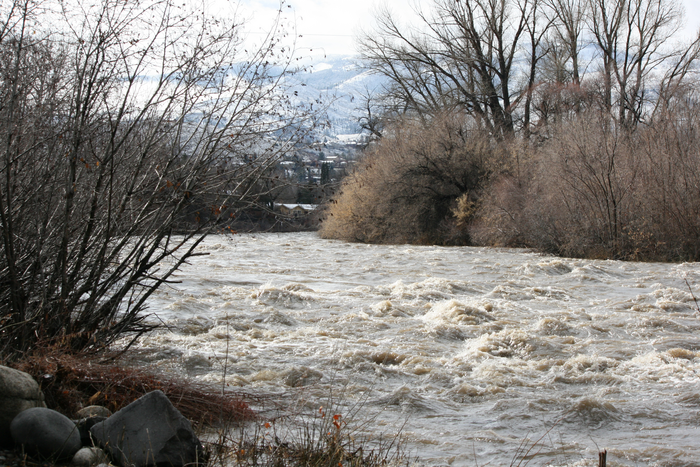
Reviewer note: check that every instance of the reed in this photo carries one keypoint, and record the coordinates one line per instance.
(325, 438)
(285, 432)
(71, 381)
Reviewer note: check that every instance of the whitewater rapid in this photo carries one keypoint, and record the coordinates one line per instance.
(474, 351)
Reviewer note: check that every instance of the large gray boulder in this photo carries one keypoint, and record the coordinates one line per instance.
(149, 432)
(46, 433)
(18, 392)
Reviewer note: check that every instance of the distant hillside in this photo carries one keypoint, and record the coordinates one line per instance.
(342, 80)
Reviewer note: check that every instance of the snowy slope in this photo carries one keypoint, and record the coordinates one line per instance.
(339, 82)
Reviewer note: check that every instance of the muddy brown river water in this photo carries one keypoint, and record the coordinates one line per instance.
(474, 351)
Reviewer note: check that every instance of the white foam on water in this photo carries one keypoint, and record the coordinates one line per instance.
(474, 350)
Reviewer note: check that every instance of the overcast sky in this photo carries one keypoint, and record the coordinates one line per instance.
(331, 25)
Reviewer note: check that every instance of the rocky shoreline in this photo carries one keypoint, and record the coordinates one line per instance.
(8, 458)
(149, 431)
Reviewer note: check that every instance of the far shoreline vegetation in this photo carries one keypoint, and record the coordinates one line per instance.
(129, 131)
(571, 127)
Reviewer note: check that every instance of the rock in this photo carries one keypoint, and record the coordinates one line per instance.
(84, 425)
(94, 411)
(88, 417)
(46, 433)
(149, 431)
(88, 457)
(299, 377)
(18, 392)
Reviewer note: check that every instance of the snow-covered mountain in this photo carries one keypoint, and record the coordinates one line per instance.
(340, 82)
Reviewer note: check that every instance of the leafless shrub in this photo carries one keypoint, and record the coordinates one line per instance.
(578, 196)
(411, 184)
(669, 149)
(597, 190)
(311, 434)
(122, 124)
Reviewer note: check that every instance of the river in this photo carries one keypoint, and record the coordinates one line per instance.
(474, 351)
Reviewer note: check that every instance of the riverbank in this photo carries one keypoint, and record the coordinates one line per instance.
(473, 350)
(231, 430)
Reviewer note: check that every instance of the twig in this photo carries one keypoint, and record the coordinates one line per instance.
(223, 380)
(697, 307)
(529, 450)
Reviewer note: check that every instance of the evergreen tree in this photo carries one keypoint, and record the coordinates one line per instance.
(325, 173)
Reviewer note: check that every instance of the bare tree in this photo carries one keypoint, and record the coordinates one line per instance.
(632, 37)
(569, 19)
(537, 27)
(373, 116)
(463, 58)
(602, 85)
(127, 131)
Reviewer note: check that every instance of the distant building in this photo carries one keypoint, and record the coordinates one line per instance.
(295, 210)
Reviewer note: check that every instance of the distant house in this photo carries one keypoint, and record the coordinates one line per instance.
(294, 210)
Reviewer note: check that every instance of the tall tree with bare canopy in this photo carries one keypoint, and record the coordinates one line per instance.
(123, 124)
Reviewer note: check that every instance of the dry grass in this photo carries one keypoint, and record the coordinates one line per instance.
(70, 382)
(310, 437)
(233, 434)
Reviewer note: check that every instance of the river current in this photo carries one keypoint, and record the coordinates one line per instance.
(476, 352)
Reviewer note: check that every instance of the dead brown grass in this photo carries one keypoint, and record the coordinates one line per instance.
(231, 432)
(70, 382)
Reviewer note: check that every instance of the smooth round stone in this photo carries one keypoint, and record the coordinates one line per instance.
(46, 433)
(88, 457)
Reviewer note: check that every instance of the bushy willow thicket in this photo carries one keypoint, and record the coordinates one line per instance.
(128, 131)
(575, 122)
